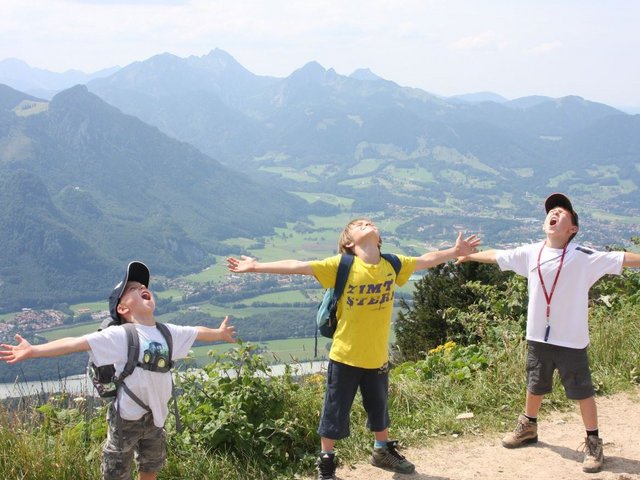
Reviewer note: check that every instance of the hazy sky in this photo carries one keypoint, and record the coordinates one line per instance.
(515, 48)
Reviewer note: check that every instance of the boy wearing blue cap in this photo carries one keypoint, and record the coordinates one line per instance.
(137, 415)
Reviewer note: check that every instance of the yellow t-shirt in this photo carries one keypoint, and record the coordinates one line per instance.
(365, 308)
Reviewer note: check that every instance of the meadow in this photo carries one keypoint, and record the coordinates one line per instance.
(261, 426)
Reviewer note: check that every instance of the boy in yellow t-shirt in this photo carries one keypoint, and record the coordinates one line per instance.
(359, 352)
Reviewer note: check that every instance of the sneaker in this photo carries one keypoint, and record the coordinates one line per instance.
(389, 459)
(327, 466)
(593, 454)
(525, 432)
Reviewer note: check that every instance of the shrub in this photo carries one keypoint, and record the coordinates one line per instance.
(236, 407)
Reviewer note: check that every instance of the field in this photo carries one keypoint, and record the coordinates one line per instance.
(313, 240)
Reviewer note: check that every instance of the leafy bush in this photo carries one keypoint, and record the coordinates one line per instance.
(458, 362)
(499, 311)
(422, 324)
(242, 422)
(235, 406)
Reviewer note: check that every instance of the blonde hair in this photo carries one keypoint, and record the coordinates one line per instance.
(346, 238)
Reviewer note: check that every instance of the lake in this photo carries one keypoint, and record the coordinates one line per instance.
(81, 384)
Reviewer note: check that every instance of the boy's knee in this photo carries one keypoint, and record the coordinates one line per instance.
(116, 465)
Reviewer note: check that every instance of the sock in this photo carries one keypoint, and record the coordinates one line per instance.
(592, 432)
(380, 443)
(532, 419)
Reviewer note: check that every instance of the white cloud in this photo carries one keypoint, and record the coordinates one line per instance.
(482, 41)
(544, 48)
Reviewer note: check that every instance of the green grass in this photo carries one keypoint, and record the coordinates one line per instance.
(524, 172)
(365, 166)
(565, 177)
(90, 306)
(290, 350)
(360, 182)
(330, 198)
(74, 331)
(290, 296)
(62, 442)
(291, 174)
(213, 273)
(27, 108)
(171, 293)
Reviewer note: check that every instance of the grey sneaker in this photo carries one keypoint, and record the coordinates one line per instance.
(524, 433)
(327, 466)
(389, 459)
(593, 454)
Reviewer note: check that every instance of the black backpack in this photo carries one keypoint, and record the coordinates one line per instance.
(104, 377)
(326, 321)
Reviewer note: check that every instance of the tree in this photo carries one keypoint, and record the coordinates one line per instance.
(421, 324)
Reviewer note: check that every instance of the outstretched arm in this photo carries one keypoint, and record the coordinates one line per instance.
(248, 264)
(463, 246)
(486, 256)
(24, 350)
(631, 260)
(224, 332)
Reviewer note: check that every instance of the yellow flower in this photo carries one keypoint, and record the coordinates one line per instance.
(447, 347)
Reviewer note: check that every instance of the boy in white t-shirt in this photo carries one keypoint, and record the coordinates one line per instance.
(560, 274)
(133, 429)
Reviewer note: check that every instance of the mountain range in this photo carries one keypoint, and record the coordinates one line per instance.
(214, 103)
(43, 83)
(166, 158)
(84, 188)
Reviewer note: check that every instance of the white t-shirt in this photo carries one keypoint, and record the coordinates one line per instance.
(109, 346)
(568, 317)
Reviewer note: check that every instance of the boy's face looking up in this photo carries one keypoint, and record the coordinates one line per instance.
(559, 224)
(136, 299)
(356, 232)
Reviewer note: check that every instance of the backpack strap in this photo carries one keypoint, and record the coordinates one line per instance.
(133, 350)
(169, 339)
(164, 330)
(346, 260)
(393, 260)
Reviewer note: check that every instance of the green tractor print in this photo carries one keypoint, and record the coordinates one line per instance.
(156, 355)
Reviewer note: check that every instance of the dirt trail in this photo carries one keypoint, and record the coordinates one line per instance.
(557, 455)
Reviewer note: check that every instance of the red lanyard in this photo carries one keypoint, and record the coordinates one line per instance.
(549, 295)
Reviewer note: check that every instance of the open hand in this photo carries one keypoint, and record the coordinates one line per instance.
(16, 353)
(227, 331)
(244, 264)
(466, 246)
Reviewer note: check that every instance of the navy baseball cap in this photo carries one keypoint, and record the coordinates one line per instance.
(559, 200)
(136, 272)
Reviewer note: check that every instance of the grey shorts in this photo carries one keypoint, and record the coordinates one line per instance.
(572, 365)
(129, 439)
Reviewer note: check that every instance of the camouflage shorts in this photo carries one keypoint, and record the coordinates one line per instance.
(129, 439)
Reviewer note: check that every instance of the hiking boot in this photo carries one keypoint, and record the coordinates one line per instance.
(525, 432)
(389, 459)
(327, 466)
(593, 454)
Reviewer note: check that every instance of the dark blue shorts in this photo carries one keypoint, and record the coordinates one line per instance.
(343, 382)
(572, 365)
